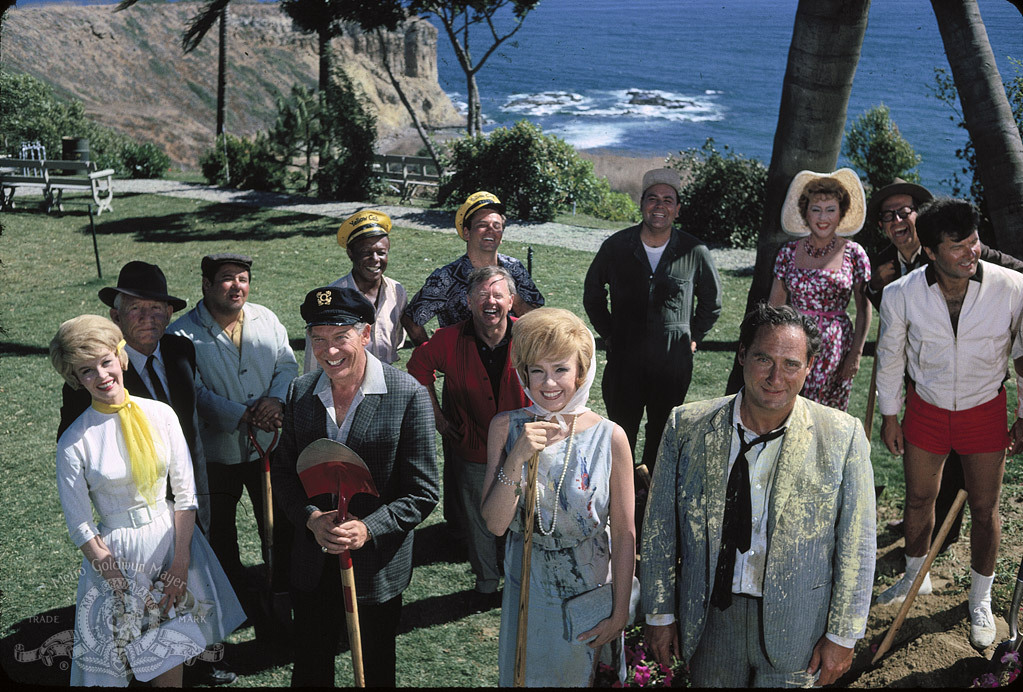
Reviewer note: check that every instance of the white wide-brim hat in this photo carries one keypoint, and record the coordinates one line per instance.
(793, 223)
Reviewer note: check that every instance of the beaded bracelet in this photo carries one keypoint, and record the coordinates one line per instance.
(503, 479)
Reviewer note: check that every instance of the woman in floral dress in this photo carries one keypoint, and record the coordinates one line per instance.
(819, 272)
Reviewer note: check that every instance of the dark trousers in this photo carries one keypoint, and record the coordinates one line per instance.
(626, 397)
(226, 484)
(952, 479)
(320, 622)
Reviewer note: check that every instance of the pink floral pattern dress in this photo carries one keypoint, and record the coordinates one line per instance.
(824, 294)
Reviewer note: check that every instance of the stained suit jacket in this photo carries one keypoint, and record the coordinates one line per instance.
(394, 435)
(178, 356)
(821, 527)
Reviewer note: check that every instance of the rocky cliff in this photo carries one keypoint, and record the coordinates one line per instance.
(129, 70)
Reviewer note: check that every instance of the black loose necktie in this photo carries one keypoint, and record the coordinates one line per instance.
(737, 528)
(154, 380)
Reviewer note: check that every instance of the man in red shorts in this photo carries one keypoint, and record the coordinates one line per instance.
(950, 327)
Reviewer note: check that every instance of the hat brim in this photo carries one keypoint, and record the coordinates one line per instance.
(464, 216)
(793, 223)
(919, 193)
(108, 294)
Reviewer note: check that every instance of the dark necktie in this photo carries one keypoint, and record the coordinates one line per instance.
(154, 381)
(737, 528)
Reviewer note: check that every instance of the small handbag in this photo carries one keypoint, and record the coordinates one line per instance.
(584, 611)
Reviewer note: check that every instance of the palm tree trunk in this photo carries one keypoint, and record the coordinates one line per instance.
(988, 117)
(222, 72)
(825, 49)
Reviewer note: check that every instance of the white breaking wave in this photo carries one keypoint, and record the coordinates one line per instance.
(628, 103)
(590, 135)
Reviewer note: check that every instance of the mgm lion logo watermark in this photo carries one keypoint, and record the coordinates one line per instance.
(120, 630)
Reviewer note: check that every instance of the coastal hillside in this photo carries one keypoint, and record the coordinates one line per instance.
(131, 74)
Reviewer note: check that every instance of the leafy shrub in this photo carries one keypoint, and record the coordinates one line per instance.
(246, 164)
(349, 129)
(30, 111)
(877, 149)
(144, 160)
(610, 205)
(534, 174)
(723, 202)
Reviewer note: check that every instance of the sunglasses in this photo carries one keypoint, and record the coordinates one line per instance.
(903, 213)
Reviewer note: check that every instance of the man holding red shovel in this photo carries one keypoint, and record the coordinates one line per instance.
(385, 417)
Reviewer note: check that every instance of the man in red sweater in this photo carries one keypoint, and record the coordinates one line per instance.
(480, 382)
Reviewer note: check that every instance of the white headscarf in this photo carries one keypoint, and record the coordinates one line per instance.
(576, 405)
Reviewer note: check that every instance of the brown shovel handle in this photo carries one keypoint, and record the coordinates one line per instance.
(868, 420)
(911, 596)
(527, 554)
(352, 619)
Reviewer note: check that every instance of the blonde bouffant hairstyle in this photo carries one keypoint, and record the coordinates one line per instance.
(81, 339)
(550, 333)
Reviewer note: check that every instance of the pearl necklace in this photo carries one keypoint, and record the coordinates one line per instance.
(814, 252)
(557, 491)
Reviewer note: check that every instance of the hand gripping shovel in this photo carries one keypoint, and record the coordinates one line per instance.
(326, 466)
(1012, 644)
(268, 504)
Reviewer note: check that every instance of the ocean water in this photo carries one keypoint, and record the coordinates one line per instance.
(649, 77)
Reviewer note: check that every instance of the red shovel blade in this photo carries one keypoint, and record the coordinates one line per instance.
(326, 466)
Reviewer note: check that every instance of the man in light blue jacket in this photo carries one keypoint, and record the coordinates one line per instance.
(245, 365)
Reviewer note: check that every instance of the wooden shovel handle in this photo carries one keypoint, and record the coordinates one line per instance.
(268, 524)
(527, 554)
(911, 596)
(868, 420)
(352, 617)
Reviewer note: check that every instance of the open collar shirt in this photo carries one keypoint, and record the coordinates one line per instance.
(952, 369)
(372, 383)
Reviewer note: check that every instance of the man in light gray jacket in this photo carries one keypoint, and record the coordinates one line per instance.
(759, 539)
(245, 365)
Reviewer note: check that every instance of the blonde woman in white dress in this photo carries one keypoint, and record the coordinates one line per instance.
(151, 593)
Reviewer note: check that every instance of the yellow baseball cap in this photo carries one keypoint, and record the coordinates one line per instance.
(475, 202)
(364, 223)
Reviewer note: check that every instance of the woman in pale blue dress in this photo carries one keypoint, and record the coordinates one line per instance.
(585, 531)
(151, 593)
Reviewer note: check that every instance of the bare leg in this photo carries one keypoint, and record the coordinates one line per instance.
(983, 474)
(923, 479)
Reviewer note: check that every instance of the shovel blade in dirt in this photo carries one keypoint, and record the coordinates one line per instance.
(326, 466)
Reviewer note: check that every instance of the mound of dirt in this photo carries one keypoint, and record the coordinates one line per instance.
(932, 647)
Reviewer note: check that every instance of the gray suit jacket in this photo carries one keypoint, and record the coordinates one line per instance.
(821, 527)
(394, 435)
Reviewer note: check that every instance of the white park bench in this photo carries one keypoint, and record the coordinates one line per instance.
(53, 177)
(404, 173)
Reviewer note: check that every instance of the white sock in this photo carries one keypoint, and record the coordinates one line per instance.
(980, 588)
(913, 565)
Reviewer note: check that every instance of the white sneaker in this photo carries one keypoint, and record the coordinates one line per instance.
(982, 625)
(897, 592)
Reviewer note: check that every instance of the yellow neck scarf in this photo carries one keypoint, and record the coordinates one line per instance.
(138, 437)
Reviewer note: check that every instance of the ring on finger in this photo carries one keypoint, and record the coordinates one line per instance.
(323, 548)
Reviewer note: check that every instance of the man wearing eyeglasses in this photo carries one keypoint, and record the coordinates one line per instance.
(894, 208)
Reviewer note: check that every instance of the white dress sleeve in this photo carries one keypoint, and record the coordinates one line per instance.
(74, 492)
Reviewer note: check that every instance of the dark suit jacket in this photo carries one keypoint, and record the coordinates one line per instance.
(394, 435)
(178, 355)
(891, 254)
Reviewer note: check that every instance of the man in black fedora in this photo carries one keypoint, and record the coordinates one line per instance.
(161, 366)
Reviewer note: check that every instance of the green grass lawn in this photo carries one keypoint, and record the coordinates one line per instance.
(49, 274)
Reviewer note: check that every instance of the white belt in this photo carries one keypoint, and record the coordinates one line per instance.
(135, 517)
